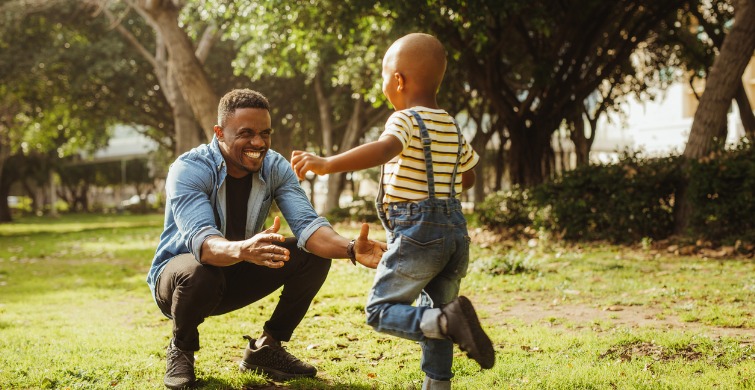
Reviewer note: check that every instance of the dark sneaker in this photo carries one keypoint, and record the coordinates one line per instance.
(179, 373)
(275, 362)
(463, 328)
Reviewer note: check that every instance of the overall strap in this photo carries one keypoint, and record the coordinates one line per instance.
(427, 149)
(456, 165)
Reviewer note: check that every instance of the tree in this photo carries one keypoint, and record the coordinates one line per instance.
(179, 69)
(537, 62)
(720, 88)
(58, 97)
(183, 63)
(714, 20)
(339, 65)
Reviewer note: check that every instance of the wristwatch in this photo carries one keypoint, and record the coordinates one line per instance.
(350, 252)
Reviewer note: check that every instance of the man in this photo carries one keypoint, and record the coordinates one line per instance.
(214, 257)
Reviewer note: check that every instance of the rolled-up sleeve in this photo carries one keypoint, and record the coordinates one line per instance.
(294, 204)
(189, 188)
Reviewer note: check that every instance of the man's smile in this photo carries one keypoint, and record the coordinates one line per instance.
(254, 154)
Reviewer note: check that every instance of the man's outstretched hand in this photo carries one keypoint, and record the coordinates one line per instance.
(368, 252)
(261, 249)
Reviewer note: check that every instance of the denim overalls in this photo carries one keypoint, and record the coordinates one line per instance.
(428, 254)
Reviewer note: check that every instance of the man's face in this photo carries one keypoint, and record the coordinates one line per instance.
(244, 140)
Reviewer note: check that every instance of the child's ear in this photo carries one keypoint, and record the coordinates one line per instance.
(399, 81)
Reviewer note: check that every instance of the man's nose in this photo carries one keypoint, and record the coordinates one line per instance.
(257, 140)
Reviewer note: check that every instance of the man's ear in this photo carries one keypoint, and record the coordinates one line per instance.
(218, 132)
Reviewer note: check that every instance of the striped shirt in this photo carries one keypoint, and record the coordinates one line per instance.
(405, 176)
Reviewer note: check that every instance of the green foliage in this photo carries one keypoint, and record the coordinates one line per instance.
(509, 208)
(722, 194)
(632, 200)
(621, 202)
(512, 262)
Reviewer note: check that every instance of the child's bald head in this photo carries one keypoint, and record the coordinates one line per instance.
(420, 59)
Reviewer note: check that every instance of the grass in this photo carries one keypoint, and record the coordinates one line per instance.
(76, 313)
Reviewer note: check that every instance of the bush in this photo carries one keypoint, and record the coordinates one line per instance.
(620, 203)
(505, 209)
(721, 192)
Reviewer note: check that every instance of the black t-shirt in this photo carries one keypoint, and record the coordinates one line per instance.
(236, 199)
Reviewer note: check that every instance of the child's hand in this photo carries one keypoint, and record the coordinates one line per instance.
(303, 162)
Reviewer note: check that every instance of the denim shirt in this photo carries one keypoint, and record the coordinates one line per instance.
(195, 197)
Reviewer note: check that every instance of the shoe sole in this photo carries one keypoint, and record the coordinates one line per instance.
(485, 355)
(272, 373)
(191, 385)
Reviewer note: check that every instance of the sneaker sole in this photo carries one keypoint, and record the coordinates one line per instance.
(190, 385)
(272, 373)
(486, 356)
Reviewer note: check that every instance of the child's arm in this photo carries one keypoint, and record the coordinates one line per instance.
(468, 179)
(364, 156)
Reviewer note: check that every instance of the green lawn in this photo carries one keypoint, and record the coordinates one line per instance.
(75, 312)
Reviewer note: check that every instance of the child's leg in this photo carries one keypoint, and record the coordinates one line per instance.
(437, 350)
(406, 268)
(432, 384)
(389, 305)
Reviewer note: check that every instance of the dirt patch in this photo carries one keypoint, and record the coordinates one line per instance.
(581, 316)
(657, 352)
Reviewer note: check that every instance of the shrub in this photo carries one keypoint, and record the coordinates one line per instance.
(621, 202)
(720, 191)
(505, 209)
(509, 263)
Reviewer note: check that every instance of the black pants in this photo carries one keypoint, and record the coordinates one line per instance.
(188, 292)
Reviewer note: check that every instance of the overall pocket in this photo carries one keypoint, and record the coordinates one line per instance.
(419, 260)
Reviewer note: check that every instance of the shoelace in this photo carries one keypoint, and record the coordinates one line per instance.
(176, 368)
(283, 356)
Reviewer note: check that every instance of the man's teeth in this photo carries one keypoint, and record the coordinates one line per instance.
(253, 154)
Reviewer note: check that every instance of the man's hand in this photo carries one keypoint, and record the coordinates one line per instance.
(303, 162)
(368, 252)
(260, 250)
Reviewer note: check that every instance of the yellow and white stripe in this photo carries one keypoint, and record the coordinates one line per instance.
(404, 177)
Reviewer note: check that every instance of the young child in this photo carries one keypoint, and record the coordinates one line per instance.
(425, 164)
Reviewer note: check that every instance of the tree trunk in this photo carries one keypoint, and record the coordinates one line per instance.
(478, 190)
(724, 79)
(326, 123)
(325, 111)
(578, 137)
(500, 161)
(187, 133)
(745, 113)
(185, 126)
(334, 179)
(529, 157)
(479, 143)
(582, 142)
(191, 77)
(5, 215)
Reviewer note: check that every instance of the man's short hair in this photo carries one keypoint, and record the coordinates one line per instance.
(240, 98)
